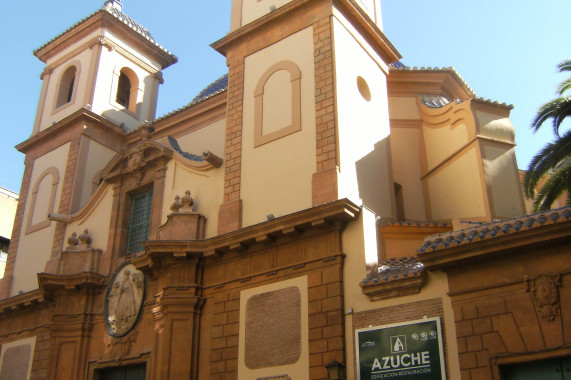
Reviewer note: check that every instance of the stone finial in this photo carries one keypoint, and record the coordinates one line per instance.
(85, 239)
(110, 4)
(73, 241)
(177, 204)
(146, 129)
(187, 201)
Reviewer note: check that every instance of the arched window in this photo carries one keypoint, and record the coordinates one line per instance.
(278, 92)
(123, 90)
(43, 200)
(127, 88)
(65, 92)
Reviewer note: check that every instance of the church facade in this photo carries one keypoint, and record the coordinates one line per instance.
(319, 204)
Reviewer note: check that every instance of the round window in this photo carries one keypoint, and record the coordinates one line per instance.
(363, 88)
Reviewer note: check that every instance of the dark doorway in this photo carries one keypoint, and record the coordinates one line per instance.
(135, 372)
(552, 369)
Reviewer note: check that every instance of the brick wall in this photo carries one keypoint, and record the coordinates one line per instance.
(324, 96)
(40, 362)
(508, 323)
(233, 145)
(6, 282)
(273, 328)
(224, 336)
(326, 322)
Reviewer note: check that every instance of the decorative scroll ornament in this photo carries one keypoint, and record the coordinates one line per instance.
(121, 347)
(135, 164)
(124, 299)
(545, 291)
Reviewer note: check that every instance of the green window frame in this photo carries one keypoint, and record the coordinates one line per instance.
(139, 221)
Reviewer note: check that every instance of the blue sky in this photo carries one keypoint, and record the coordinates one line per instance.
(505, 50)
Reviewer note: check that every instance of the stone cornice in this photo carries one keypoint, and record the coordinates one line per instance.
(397, 288)
(364, 23)
(50, 283)
(21, 301)
(82, 115)
(445, 82)
(341, 211)
(104, 20)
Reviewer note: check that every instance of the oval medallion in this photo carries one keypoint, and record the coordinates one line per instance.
(123, 299)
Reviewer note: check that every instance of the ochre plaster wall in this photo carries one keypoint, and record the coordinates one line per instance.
(254, 9)
(297, 370)
(456, 190)
(403, 108)
(501, 173)
(97, 220)
(276, 176)
(441, 142)
(34, 249)
(406, 168)
(360, 246)
(205, 188)
(96, 157)
(494, 126)
(208, 138)
(362, 121)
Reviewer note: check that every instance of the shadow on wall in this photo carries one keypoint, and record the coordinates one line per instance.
(374, 179)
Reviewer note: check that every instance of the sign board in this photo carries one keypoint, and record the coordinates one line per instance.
(403, 351)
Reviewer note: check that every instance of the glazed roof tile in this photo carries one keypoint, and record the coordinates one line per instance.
(434, 101)
(174, 145)
(401, 67)
(494, 229)
(119, 15)
(395, 269)
(214, 88)
(400, 223)
(218, 86)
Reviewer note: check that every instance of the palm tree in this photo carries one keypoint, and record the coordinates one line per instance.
(554, 160)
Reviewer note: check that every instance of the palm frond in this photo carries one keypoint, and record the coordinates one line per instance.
(548, 158)
(564, 66)
(557, 109)
(558, 182)
(564, 86)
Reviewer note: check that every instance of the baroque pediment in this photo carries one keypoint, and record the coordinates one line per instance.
(145, 155)
(136, 160)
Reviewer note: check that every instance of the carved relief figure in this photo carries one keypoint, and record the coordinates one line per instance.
(124, 300)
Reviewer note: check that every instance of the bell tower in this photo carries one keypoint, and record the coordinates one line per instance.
(307, 108)
(100, 82)
(108, 64)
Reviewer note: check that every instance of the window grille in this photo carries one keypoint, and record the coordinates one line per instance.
(139, 221)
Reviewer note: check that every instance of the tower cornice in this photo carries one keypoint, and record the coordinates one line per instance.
(369, 29)
(103, 20)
